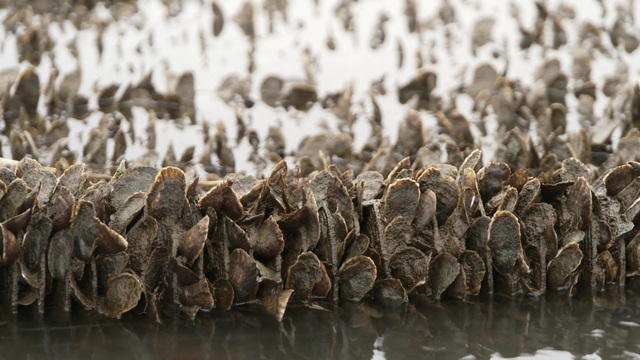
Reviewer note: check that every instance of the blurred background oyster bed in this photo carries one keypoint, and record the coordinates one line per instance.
(235, 86)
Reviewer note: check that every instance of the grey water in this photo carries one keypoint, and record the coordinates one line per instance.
(550, 327)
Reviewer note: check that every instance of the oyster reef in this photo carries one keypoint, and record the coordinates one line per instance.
(182, 157)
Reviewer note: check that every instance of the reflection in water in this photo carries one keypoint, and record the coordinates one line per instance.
(607, 326)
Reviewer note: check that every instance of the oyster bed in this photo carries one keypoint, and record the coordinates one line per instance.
(121, 223)
(148, 240)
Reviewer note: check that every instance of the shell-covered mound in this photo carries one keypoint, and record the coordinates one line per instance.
(515, 174)
(151, 241)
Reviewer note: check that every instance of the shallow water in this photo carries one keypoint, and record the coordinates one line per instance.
(553, 327)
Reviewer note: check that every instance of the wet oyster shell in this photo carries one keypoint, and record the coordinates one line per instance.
(356, 278)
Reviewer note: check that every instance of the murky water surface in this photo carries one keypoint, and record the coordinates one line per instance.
(547, 328)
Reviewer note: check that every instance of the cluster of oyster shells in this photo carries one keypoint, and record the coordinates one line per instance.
(150, 241)
(421, 218)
